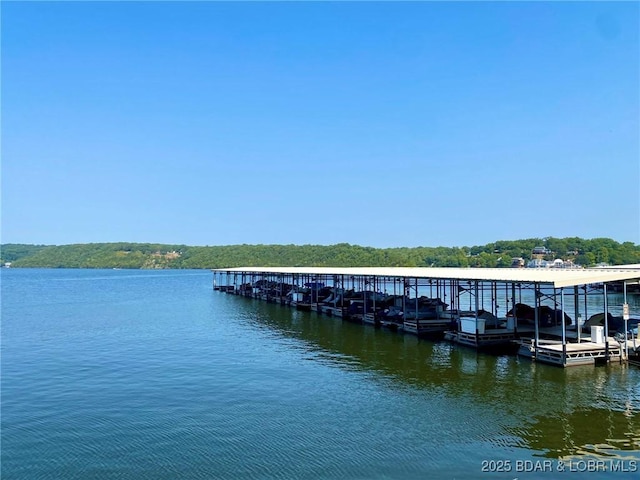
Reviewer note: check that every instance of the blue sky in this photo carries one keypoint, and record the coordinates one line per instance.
(382, 124)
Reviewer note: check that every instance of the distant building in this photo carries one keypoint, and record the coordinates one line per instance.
(557, 263)
(537, 263)
(517, 262)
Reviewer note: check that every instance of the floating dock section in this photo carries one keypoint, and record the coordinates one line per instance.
(557, 316)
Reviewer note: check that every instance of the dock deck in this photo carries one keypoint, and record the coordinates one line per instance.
(495, 340)
(569, 354)
(427, 327)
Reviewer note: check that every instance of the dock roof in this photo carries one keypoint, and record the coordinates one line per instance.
(556, 277)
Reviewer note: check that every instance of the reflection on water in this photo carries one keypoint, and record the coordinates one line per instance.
(560, 413)
(584, 431)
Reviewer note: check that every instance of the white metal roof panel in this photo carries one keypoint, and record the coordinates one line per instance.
(555, 277)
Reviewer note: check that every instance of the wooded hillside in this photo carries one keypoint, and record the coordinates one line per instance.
(148, 255)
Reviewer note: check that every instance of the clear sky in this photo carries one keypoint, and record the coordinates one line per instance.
(381, 124)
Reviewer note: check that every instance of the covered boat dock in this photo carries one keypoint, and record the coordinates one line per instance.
(559, 316)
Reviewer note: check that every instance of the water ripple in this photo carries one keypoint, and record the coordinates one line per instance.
(175, 381)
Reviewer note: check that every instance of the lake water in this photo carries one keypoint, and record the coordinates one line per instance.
(153, 375)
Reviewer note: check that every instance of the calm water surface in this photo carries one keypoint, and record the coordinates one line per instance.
(152, 375)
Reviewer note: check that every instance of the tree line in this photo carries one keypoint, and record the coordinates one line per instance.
(584, 252)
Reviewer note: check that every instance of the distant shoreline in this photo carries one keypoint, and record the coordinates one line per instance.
(150, 256)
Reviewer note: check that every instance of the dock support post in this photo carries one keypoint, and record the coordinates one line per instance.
(375, 294)
(625, 317)
(536, 317)
(365, 297)
(576, 310)
(586, 294)
(417, 307)
(606, 324)
(513, 307)
(564, 327)
(404, 297)
(477, 308)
